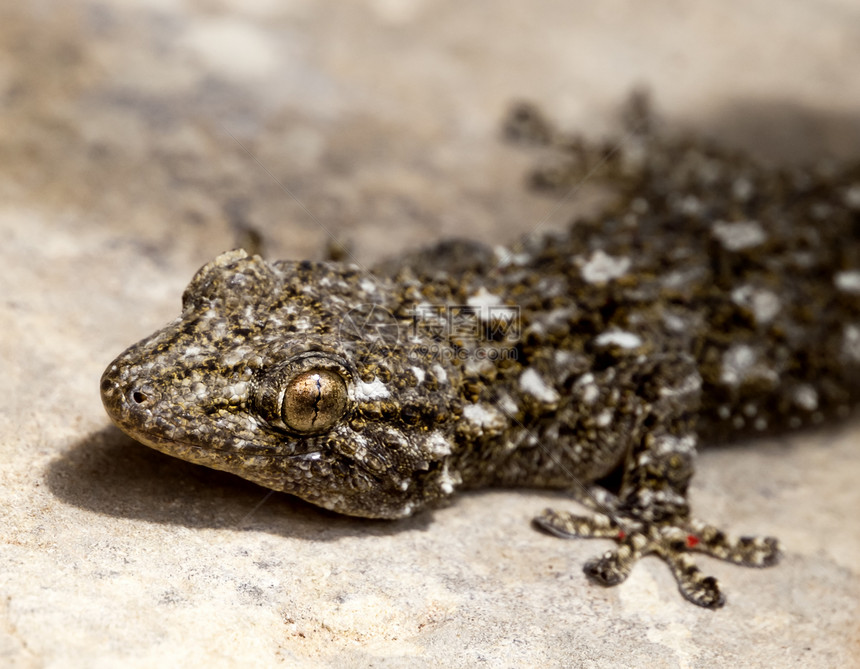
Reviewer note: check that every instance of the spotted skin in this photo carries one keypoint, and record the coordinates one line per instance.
(716, 299)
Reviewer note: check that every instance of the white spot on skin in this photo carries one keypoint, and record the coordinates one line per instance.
(441, 374)
(680, 279)
(447, 482)
(396, 437)
(690, 206)
(689, 384)
(737, 361)
(483, 299)
(558, 319)
(236, 392)
(674, 322)
(740, 235)
(602, 267)
(531, 382)
(368, 392)
(740, 364)
(562, 358)
(436, 445)
(552, 287)
(590, 393)
(821, 211)
(430, 314)
(604, 418)
(668, 444)
(367, 285)
(536, 328)
(302, 324)
(742, 189)
(851, 343)
(848, 282)
(484, 417)
(504, 257)
(478, 367)
(806, 397)
(419, 374)
(852, 197)
(236, 355)
(764, 304)
(618, 338)
(507, 405)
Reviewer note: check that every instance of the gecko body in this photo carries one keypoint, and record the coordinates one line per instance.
(717, 299)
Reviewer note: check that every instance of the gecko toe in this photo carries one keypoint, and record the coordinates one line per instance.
(569, 526)
(607, 570)
(703, 591)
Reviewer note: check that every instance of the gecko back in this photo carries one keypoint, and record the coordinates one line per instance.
(754, 269)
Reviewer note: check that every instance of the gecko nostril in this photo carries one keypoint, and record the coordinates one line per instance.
(138, 397)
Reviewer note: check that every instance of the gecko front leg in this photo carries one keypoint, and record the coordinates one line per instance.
(650, 513)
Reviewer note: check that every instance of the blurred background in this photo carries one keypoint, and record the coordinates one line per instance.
(170, 125)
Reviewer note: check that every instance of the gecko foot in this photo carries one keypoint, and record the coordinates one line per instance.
(671, 540)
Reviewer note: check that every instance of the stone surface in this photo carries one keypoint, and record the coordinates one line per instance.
(140, 139)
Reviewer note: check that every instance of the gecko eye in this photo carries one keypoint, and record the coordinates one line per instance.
(305, 394)
(314, 400)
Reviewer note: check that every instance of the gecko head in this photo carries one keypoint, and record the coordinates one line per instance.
(271, 373)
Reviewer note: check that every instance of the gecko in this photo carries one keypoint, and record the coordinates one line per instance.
(716, 299)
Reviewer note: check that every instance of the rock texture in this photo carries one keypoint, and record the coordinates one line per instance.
(140, 139)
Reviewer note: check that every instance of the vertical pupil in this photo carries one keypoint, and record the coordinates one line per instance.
(314, 400)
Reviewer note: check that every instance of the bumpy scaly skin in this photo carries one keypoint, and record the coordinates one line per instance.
(716, 299)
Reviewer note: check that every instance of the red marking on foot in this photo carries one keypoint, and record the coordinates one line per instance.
(692, 541)
(622, 535)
